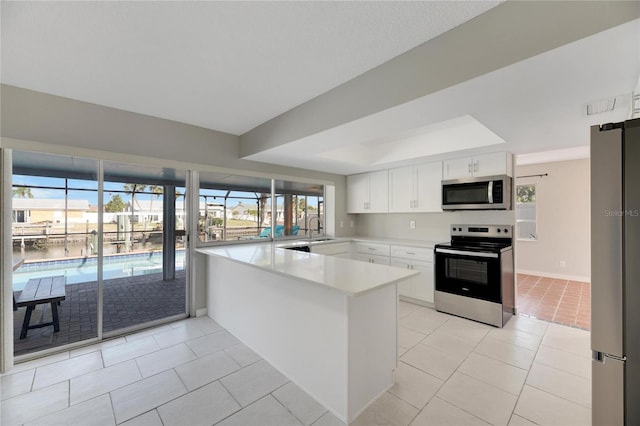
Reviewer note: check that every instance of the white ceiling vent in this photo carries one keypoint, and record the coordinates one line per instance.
(598, 107)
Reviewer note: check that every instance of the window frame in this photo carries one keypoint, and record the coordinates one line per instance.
(533, 221)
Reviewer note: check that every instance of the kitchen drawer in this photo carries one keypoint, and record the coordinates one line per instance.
(373, 248)
(372, 258)
(412, 253)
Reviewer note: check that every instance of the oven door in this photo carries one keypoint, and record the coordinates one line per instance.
(468, 273)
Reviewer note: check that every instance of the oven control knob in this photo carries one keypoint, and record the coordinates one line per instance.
(499, 230)
(506, 230)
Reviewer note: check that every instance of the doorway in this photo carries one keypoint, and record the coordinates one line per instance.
(553, 238)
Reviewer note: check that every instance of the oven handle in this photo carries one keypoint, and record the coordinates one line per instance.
(466, 253)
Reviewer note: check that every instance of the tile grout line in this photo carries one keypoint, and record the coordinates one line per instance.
(564, 290)
(527, 376)
(444, 381)
(234, 398)
(287, 408)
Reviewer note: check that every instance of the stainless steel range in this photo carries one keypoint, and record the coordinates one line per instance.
(474, 273)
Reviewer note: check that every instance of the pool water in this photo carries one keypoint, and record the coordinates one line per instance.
(81, 270)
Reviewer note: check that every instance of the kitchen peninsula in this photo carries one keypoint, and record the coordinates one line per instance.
(329, 324)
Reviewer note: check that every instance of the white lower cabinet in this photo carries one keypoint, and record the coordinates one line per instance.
(372, 258)
(420, 259)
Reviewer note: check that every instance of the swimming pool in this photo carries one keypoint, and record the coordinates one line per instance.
(81, 270)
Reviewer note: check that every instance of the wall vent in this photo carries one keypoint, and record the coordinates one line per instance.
(601, 106)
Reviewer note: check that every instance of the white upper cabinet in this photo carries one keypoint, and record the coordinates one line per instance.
(415, 188)
(401, 192)
(368, 192)
(499, 163)
(357, 193)
(428, 187)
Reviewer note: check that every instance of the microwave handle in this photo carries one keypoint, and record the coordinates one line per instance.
(490, 192)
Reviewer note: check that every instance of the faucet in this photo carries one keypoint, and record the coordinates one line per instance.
(309, 225)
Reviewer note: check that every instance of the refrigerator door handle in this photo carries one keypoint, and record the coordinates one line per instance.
(597, 356)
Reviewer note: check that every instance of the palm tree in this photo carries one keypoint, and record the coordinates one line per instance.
(263, 207)
(22, 192)
(156, 192)
(133, 188)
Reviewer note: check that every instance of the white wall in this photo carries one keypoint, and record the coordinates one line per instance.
(563, 216)
(433, 227)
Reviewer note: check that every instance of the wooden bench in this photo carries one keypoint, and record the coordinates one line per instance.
(40, 291)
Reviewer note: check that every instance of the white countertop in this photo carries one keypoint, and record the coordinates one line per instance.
(349, 276)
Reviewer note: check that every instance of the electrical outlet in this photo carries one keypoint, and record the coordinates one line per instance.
(351, 223)
(342, 224)
(563, 264)
(412, 224)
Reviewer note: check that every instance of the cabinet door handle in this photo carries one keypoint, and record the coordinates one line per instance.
(475, 166)
(469, 167)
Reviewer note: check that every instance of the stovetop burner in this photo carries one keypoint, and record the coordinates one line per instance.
(487, 247)
(479, 238)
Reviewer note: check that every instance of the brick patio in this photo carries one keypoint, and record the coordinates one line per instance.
(127, 301)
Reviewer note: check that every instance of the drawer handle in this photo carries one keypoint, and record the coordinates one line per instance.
(409, 252)
(371, 248)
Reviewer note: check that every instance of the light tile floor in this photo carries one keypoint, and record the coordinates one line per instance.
(451, 372)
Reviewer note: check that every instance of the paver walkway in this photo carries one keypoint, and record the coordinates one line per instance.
(127, 301)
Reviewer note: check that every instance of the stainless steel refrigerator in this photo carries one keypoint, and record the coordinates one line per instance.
(615, 273)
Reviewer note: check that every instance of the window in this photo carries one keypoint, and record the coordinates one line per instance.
(234, 207)
(526, 213)
(21, 216)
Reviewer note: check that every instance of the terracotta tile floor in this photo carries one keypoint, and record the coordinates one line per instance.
(559, 301)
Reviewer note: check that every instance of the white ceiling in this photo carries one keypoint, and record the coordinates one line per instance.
(231, 66)
(228, 66)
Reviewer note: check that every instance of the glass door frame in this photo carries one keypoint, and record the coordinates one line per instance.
(7, 358)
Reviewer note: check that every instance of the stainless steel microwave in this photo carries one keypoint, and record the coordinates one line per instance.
(477, 193)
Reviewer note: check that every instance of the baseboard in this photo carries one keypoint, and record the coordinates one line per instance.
(201, 312)
(585, 279)
(417, 301)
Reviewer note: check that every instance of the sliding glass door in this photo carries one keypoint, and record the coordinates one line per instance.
(144, 244)
(55, 278)
(98, 248)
